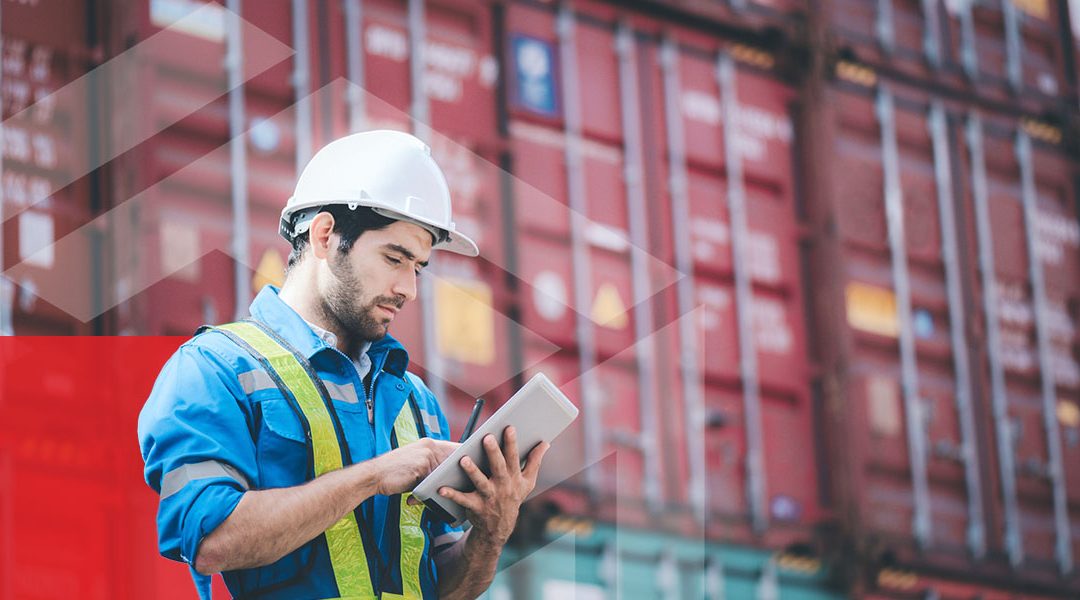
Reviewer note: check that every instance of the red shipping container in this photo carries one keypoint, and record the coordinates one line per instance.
(919, 472)
(44, 152)
(1010, 52)
(548, 107)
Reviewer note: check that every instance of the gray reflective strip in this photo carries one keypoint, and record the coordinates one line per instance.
(346, 392)
(175, 480)
(447, 539)
(432, 422)
(253, 381)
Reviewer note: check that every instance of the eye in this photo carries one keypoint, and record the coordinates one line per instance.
(392, 260)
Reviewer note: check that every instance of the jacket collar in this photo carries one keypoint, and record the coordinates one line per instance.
(268, 308)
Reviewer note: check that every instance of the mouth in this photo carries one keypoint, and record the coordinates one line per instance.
(389, 310)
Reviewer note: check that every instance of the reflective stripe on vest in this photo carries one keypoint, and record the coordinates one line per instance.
(412, 535)
(343, 539)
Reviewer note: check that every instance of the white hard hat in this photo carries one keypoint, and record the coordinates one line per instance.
(389, 171)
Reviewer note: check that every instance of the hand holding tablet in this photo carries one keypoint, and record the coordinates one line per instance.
(539, 411)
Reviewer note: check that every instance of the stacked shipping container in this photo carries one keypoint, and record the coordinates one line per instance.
(825, 310)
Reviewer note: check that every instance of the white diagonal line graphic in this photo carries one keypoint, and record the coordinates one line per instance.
(147, 106)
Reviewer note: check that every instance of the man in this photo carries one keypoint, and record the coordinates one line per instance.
(283, 448)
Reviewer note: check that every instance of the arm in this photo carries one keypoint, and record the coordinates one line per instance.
(467, 568)
(268, 524)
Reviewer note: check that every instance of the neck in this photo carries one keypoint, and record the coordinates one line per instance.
(297, 293)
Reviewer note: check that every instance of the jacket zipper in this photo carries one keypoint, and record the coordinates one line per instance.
(369, 398)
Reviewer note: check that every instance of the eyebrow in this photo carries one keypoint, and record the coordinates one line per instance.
(405, 252)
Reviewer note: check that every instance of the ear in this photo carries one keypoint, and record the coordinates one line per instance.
(319, 234)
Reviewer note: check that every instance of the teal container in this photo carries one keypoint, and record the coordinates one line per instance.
(581, 561)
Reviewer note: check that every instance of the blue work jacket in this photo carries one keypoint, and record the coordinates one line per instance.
(216, 425)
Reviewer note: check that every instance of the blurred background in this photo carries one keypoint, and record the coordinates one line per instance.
(810, 268)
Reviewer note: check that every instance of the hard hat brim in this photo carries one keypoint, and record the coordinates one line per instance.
(458, 243)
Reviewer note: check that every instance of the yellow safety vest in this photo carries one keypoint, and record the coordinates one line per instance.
(294, 375)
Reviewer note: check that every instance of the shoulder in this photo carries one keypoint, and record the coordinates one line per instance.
(207, 359)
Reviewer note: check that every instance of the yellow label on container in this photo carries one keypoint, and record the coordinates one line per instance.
(608, 308)
(271, 271)
(465, 321)
(1036, 8)
(872, 309)
(1068, 414)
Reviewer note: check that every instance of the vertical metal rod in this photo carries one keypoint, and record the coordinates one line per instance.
(883, 26)
(1014, 543)
(693, 394)
(932, 33)
(354, 60)
(301, 80)
(976, 532)
(302, 83)
(420, 108)
(234, 65)
(713, 584)
(644, 351)
(744, 295)
(913, 409)
(1013, 45)
(7, 288)
(420, 112)
(1063, 547)
(667, 576)
(582, 267)
(968, 57)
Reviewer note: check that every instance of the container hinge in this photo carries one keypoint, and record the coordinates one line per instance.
(884, 26)
(932, 33)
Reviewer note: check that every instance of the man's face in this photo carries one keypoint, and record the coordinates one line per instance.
(370, 284)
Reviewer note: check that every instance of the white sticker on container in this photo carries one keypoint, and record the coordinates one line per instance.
(883, 397)
(549, 295)
(389, 43)
(608, 238)
(764, 257)
(179, 249)
(200, 19)
(36, 237)
(771, 330)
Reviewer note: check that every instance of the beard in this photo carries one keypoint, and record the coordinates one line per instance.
(340, 304)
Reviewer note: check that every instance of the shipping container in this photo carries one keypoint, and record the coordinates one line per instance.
(642, 297)
(47, 140)
(899, 584)
(1014, 52)
(575, 558)
(945, 440)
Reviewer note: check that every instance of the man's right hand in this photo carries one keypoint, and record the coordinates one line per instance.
(400, 470)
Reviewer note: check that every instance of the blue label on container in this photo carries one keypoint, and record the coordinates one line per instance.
(534, 65)
(924, 323)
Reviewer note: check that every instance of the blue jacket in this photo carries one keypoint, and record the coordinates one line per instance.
(215, 425)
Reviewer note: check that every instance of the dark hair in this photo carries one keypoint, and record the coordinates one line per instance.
(348, 223)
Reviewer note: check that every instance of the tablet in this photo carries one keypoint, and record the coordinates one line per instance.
(538, 411)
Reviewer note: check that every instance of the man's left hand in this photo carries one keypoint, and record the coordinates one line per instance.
(493, 507)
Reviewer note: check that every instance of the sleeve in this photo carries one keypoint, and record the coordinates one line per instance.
(198, 454)
(441, 534)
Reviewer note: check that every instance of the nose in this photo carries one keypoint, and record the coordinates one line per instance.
(405, 285)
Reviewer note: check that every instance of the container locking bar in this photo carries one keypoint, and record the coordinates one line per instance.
(999, 400)
(894, 219)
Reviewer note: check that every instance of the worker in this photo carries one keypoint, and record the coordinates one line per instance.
(283, 447)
